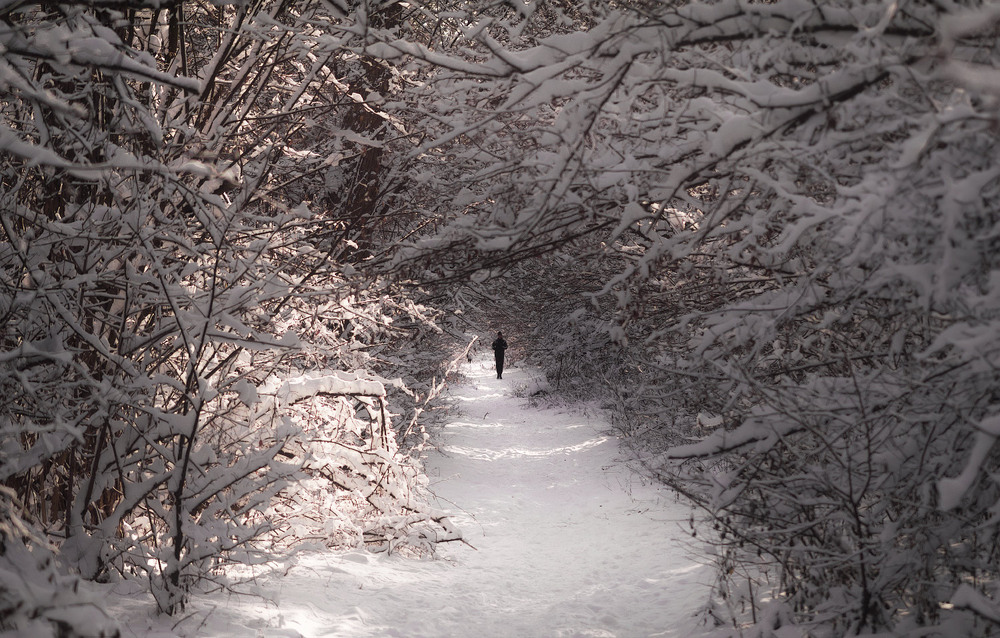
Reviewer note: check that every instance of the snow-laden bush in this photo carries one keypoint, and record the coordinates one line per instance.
(802, 200)
(359, 490)
(36, 599)
(159, 264)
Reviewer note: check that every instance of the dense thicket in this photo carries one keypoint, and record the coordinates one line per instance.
(767, 231)
(785, 215)
(192, 357)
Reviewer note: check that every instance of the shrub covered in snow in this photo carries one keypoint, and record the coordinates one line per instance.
(36, 598)
(159, 264)
(784, 214)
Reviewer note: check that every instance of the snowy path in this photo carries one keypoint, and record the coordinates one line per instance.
(569, 542)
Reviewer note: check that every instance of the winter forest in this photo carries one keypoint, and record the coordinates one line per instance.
(246, 245)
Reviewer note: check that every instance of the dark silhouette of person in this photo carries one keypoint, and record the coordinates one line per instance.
(499, 345)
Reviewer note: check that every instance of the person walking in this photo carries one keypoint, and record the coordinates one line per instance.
(499, 345)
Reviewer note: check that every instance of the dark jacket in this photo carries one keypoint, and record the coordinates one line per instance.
(499, 345)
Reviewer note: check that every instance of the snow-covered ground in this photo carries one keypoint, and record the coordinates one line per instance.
(565, 541)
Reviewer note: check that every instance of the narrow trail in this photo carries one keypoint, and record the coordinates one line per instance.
(568, 542)
(581, 544)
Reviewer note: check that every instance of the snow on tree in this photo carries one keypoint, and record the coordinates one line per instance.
(780, 216)
(158, 270)
(800, 201)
